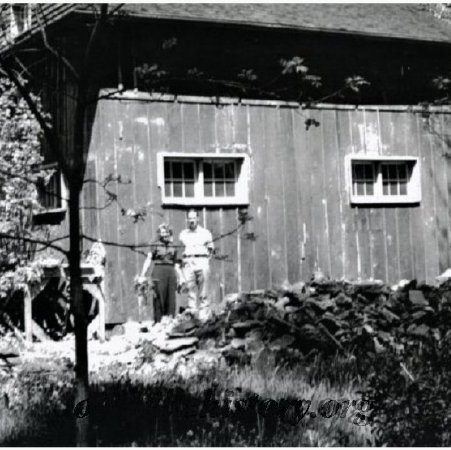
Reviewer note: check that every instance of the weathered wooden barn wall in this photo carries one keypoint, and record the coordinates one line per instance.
(302, 219)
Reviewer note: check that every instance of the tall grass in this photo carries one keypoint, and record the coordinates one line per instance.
(145, 408)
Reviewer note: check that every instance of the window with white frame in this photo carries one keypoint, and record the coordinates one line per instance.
(380, 179)
(203, 179)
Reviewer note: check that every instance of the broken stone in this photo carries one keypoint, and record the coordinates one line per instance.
(282, 342)
(446, 275)
(238, 343)
(343, 300)
(241, 328)
(253, 346)
(421, 331)
(282, 303)
(182, 353)
(416, 297)
(118, 330)
(232, 298)
(172, 345)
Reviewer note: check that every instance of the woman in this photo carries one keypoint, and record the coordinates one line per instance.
(164, 274)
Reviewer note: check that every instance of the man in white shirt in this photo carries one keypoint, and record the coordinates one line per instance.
(198, 249)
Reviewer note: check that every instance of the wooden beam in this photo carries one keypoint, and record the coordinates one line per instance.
(28, 320)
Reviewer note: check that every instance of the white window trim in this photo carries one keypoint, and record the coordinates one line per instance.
(413, 187)
(241, 187)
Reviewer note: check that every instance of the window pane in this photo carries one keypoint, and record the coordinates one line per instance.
(208, 170)
(219, 189)
(402, 172)
(369, 189)
(393, 188)
(167, 170)
(167, 189)
(189, 171)
(208, 189)
(178, 189)
(385, 189)
(189, 189)
(384, 171)
(230, 189)
(219, 171)
(368, 171)
(360, 188)
(392, 172)
(402, 188)
(176, 170)
(358, 171)
(230, 171)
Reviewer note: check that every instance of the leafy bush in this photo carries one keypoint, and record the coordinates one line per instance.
(409, 394)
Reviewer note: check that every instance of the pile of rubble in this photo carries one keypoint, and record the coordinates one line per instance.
(296, 321)
(287, 324)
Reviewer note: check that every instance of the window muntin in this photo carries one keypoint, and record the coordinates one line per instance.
(179, 178)
(219, 178)
(203, 179)
(363, 178)
(395, 178)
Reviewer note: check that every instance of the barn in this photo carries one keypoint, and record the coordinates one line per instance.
(351, 182)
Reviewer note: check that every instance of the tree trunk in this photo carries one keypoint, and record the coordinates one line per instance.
(76, 294)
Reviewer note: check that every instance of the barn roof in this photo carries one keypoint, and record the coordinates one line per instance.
(408, 21)
(383, 20)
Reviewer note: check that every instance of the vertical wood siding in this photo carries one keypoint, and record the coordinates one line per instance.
(302, 219)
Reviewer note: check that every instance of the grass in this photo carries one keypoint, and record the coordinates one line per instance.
(135, 408)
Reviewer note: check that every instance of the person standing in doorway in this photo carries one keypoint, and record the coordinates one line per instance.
(198, 249)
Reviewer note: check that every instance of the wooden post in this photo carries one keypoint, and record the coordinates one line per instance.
(101, 330)
(28, 315)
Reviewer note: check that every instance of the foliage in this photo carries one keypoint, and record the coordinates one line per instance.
(285, 78)
(20, 158)
(410, 395)
(212, 408)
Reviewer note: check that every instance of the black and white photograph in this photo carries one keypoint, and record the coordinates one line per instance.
(225, 224)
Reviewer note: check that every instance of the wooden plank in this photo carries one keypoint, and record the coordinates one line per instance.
(440, 149)
(314, 166)
(125, 166)
(361, 212)
(207, 136)
(142, 196)
(291, 190)
(403, 212)
(376, 219)
(191, 126)
(301, 142)
(417, 237)
(446, 133)
(229, 231)
(241, 137)
(28, 315)
(258, 181)
(216, 282)
(389, 147)
(331, 163)
(223, 128)
(274, 198)
(115, 310)
(344, 139)
(428, 200)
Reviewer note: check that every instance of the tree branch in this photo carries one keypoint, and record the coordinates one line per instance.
(47, 244)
